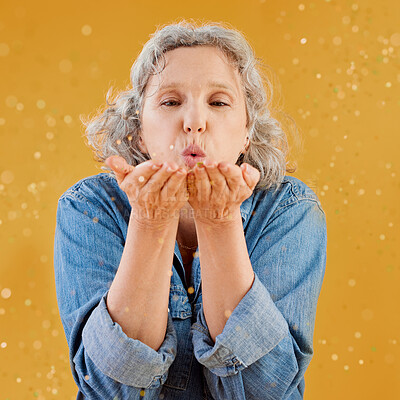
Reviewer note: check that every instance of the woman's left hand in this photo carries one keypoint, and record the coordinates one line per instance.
(216, 190)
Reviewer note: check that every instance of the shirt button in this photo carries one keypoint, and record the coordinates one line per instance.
(223, 352)
(168, 309)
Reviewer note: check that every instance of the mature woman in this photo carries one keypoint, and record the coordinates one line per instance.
(193, 268)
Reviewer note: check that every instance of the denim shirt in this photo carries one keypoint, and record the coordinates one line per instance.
(267, 343)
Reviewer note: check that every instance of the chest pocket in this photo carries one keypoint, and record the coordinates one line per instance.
(181, 313)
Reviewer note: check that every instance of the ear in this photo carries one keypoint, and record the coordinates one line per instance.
(142, 145)
(246, 144)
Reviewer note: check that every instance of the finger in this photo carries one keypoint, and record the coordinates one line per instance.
(173, 185)
(144, 171)
(120, 167)
(202, 182)
(160, 177)
(217, 180)
(251, 175)
(232, 174)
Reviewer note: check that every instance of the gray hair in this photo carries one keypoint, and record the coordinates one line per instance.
(116, 130)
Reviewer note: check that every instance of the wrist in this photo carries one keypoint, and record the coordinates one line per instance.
(210, 219)
(158, 223)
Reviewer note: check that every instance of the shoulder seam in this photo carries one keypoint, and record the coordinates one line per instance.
(74, 191)
(298, 200)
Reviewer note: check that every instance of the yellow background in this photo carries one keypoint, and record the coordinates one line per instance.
(338, 66)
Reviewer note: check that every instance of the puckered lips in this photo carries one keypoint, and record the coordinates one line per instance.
(192, 155)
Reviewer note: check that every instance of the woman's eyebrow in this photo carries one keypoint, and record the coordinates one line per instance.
(210, 84)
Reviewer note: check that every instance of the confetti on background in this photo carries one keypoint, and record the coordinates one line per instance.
(337, 74)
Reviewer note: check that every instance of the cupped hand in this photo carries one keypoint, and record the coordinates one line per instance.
(156, 191)
(216, 190)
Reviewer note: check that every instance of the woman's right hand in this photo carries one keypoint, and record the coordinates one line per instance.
(155, 193)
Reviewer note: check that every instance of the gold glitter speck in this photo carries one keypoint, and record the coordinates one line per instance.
(86, 30)
(67, 119)
(40, 104)
(7, 177)
(6, 293)
(337, 40)
(227, 313)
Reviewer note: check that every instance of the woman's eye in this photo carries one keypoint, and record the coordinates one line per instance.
(169, 101)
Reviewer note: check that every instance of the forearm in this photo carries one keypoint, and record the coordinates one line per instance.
(138, 297)
(226, 271)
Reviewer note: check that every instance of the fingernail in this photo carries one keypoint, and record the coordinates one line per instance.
(155, 166)
(169, 169)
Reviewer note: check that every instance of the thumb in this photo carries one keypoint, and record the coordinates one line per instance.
(251, 175)
(120, 167)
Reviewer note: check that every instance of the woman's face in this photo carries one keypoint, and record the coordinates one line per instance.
(199, 101)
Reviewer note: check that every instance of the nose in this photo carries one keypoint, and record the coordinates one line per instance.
(194, 121)
(189, 129)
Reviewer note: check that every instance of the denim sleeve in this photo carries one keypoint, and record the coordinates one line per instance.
(105, 362)
(267, 342)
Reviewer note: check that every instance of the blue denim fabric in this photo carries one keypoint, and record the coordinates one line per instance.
(267, 342)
